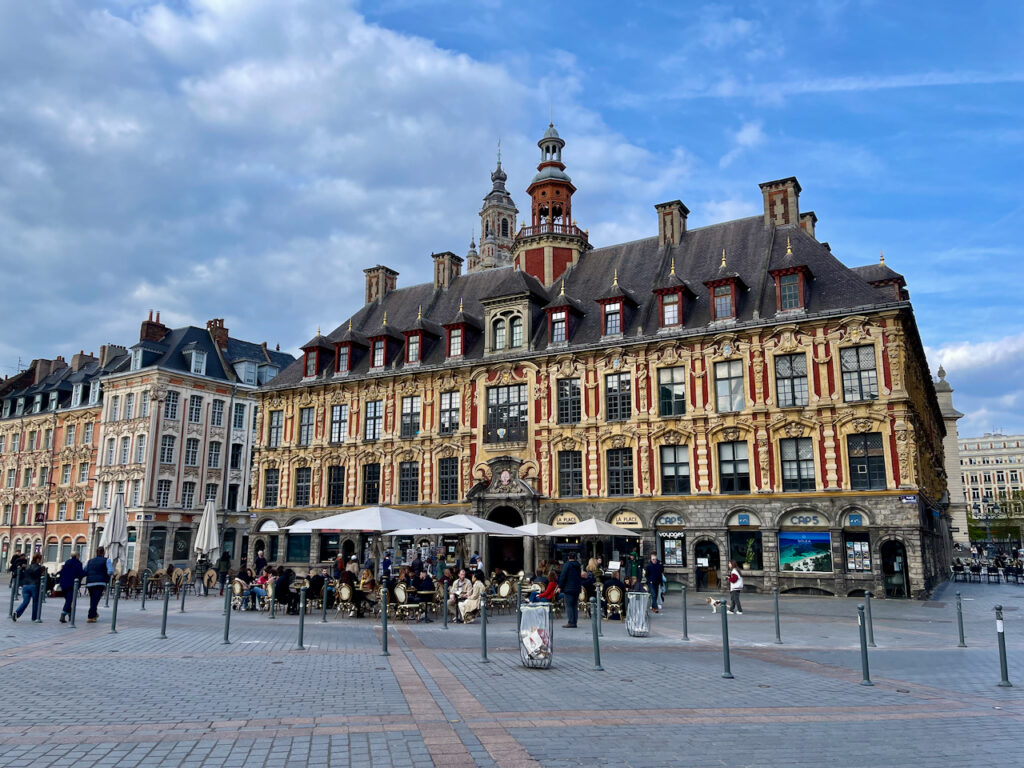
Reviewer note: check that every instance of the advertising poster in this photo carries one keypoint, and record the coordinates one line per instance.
(805, 551)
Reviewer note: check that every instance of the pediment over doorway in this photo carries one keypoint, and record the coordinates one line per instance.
(505, 482)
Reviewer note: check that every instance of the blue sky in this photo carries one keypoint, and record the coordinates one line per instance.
(247, 159)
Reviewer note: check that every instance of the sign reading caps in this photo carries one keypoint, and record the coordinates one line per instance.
(565, 519)
(670, 519)
(627, 520)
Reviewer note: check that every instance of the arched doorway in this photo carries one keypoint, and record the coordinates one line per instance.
(894, 569)
(706, 565)
(505, 552)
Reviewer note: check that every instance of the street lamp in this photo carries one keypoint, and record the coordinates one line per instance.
(985, 510)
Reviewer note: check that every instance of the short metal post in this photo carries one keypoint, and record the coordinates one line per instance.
(1004, 680)
(960, 621)
(302, 616)
(273, 603)
(778, 627)
(37, 613)
(145, 585)
(113, 613)
(727, 670)
(483, 630)
(74, 602)
(44, 583)
(686, 635)
(597, 597)
(183, 593)
(594, 631)
(871, 625)
(863, 646)
(110, 588)
(167, 602)
(323, 604)
(227, 617)
(519, 605)
(384, 621)
(15, 585)
(444, 608)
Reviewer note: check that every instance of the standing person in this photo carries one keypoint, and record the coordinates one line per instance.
(416, 565)
(259, 563)
(570, 583)
(97, 573)
(735, 587)
(385, 567)
(18, 561)
(71, 570)
(31, 580)
(223, 569)
(654, 573)
(353, 566)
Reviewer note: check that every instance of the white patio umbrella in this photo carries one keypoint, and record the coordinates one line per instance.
(115, 534)
(595, 527)
(537, 529)
(480, 525)
(207, 538)
(371, 519)
(431, 531)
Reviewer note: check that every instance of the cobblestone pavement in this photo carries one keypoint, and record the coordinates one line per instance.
(88, 697)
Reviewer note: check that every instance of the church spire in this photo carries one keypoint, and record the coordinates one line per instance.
(497, 223)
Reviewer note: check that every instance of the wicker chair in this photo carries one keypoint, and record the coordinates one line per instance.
(240, 595)
(403, 607)
(502, 601)
(613, 601)
(345, 599)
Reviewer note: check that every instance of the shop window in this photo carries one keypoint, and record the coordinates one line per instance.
(745, 547)
(857, 545)
(298, 548)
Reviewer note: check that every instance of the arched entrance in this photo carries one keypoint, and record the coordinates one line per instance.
(505, 552)
(706, 564)
(894, 569)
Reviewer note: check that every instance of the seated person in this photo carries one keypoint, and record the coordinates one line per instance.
(549, 592)
(422, 583)
(499, 577)
(283, 592)
(475, 597)
(258, 589)
(460, 589)
(589, 584)
(316, 585)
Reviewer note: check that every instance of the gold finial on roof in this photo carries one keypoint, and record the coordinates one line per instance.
(672, 271)
(318, 330)
(385, 320)
(562, 293)
(419, 314)
(723, 257)
(460, 305)
(615, 277)
(881, 256)
(789, 248)
(350, 323)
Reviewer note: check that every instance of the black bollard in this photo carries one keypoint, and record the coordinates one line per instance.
(686, 635)
(302, 616)
(108, 590)
(960, 621)
(145, 584)
(727, 670)
(1004, 680)
(183, 593)
(323, 604)
(227, 617)
(871, 625)
(15, 586)
(483, 630)
(113, 613)
(597, 597)
(74, 602)
(384, 621)
(273, 603)
(863, 646)
(37, 614)
(167, 602)
(519, 605)
(444, 608)
(778, 627)
(594, 631)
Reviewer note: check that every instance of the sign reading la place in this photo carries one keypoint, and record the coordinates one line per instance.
(627, 520)
(565, 519)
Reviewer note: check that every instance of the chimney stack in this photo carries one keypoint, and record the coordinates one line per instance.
(81, 360)
(41, 369)
(781, 201)
(807, 222)
(109, 351)
(218, 332)
(447, 267)
(380, 281)
(152, 330)
(671, 222)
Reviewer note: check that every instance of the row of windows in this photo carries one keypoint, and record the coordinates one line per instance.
(195, 410)
(35, 440)
(168, 444)
(987, 477)
(28, 516)
(189, 499)
(115, 413)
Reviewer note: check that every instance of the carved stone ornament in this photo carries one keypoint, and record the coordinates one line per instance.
(862, 425)
(729, 434)
(672, 437)
(794, 429)
(618, 441)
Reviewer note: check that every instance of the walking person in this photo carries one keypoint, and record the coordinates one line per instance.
(31, 579)
(71, 570)
(735, 587)
(97, 573)
(570, 582)
(223, 569)
(654, 573)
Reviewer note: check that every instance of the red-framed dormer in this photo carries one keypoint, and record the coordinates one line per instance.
(563, 312)
(348, 349)
(458, 333)
(384, 345)
(316, 353)
(791, 286)
(420, 338)
(724, 293)
(616, 305)
(673, 298)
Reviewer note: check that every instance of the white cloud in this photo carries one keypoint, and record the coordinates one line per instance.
(750, 135)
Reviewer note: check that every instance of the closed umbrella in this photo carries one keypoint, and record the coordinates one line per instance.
(115, 535)
(207, 538)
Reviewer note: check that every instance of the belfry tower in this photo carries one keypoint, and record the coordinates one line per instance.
(497, 223)
(552, 243)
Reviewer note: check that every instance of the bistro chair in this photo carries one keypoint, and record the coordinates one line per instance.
(240, 595)
(613, 601)
(992, 574)
(959, 573)
(402, 605)
(345, 600)
(502, 600)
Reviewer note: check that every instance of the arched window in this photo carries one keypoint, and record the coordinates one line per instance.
(517, 331)
(499, 334)
(504, 227)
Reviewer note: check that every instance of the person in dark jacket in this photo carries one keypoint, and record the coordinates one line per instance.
(31, 579)
(259, 563)
(223, 569)
(97, 573)
(71, 570)
(570, 582)
(653, 573)
(17, 562)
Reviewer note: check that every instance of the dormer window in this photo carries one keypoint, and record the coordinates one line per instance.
(612, 318)
(53, 401)
(94, 393)
(454, 342)
(199, 362)
(559, 326)
(76, 396)
(266, 372)
(723, 302)
(516, 331)
(344, 358)
(37, 404)
(246, 372)
(670, 309)
(310, 370)
(791, 287)
(379, 356)
(136, 359)
(412, 348)
(499, 334)
(19, 407)
(7, 408)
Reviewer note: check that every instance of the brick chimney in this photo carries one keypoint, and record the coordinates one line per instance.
(109, 351)
(447, 267)
(218, 332)
(81, 360)
(152, 330)
(380, 281)
(40, 370)
(807, 222)
(781, 201)
(671, 222)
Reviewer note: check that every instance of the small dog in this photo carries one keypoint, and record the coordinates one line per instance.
(715, 604)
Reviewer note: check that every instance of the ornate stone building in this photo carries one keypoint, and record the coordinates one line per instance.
(727, 392)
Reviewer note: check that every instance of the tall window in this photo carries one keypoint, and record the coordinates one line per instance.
(144, 405)
(499, 334)
(733, 467)
(558, 326)
(192, 452)
(455, 342)
(408, 482)
(449, 416)
(672, 391)
(163, 493)
(791, 380)
(723, 302)
(412, 348)
(238, 418)
(729, 386)
(343, 358)
(195, 408)
(129, 405)
(371, 483)
(569, 403)
(612, 318)
(515, 326)
(126, 450)
(188, 495)
(306, 425)
(140, 449)
(213, 455)
(136, 492)
(620, 471)
(171, 405)
(618, 396)
(167, 449)
(867, 462)
(69, 436)
(303, 481)
(378, 353)
(310, 364)
(670, 309)
(335, 486)
(797, 464)
(374, 420)
(236, 456)
(271, 486)
(860, 380)
(789, 292)
(115, 407)
(410, 416)
(211, 492)
(448, 480)
(109, 461)
(507, 411)
(199, 362)
(87, 434)
(339, 423)
(675, 469)
(570, 473)
(83, 472)
(276, 428)
(65, 474)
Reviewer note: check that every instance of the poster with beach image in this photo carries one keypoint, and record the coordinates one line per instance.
(805, 551)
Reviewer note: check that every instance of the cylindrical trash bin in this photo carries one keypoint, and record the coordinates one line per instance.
(638, 622)
(536, 635)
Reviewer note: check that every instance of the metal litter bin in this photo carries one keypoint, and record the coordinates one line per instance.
(536, 635)
(638, 622)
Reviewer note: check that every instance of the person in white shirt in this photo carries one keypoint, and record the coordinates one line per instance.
(735, 587)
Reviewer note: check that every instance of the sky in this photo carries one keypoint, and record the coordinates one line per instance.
(247, 159)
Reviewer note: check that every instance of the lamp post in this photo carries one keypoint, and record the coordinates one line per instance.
(985, 511)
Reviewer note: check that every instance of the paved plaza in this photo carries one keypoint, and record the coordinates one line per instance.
(86, 697)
